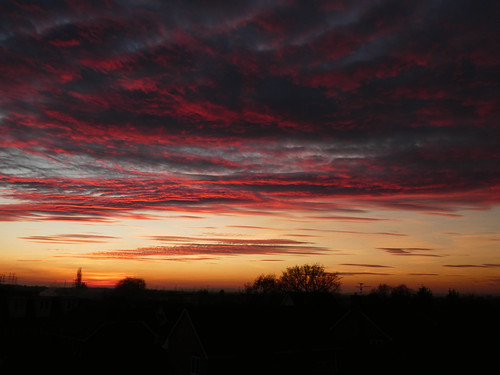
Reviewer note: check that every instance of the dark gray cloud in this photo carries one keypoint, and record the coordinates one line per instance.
(484, 265)
(423, 274)
(364, 273)
(410, 251)
(245, 104)
(365, 265)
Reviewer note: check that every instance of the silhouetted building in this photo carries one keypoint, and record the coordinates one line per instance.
(265, 340)
(362, 346)
(68, 331)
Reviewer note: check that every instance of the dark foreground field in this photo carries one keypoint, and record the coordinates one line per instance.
(95, 330)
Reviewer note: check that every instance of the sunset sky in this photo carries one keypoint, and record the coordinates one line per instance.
(198, 144)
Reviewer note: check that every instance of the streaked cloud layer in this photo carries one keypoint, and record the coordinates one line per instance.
(110, 108)
(212, 247)
(150, 110)
(70, 238)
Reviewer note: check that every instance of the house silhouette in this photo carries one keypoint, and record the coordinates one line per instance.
(263, 340)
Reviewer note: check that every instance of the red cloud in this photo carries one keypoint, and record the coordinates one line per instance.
(188, 250)
(70, 238)
(249, 110)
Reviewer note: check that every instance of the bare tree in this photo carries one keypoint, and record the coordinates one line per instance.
(309, 279)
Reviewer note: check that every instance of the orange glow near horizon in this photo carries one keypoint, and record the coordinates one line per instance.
(228, 251)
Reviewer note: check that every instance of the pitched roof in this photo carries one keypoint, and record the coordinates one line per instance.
(226, 331)
(355, 326)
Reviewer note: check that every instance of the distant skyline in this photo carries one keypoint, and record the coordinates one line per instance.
(199, 144)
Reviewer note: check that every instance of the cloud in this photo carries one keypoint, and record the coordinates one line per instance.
(364, 273)
(112, 109)
(219, 249)
(423, 274)
(192, 248)
(443, 214)
(248, 227)
(396, 234)
(409, 251)
(70, 238)
(231, 241)
(345, 218)
(484, 265)
(365, 265)
(302, 235)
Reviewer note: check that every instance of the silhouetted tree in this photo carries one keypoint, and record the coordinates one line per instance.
(79, 284)
(452, 298)
(383, 290)
(424, 293)
(452, 294)
(298, 279)
(401, 293)
(424, 297)
(130, 286)
(309, 279)
(264, 284)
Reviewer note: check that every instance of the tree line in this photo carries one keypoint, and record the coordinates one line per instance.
(303, 279)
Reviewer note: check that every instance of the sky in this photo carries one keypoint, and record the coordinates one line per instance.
(198, 144)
